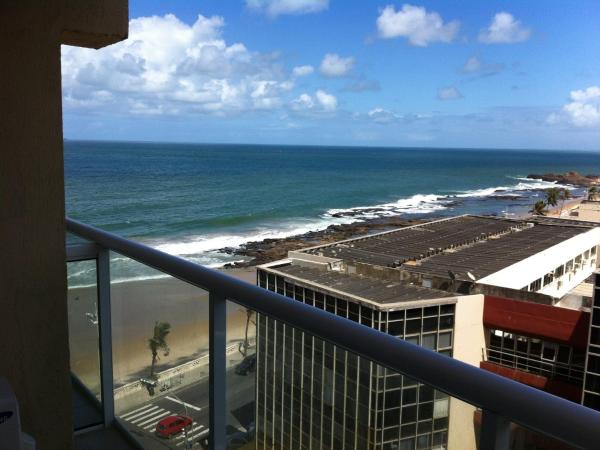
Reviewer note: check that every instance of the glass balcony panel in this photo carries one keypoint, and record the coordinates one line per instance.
(82, 305)
(241, 377)
(160, 329)
(285, 388)
(521, 438)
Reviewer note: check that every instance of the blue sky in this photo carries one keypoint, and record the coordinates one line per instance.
(507, 74)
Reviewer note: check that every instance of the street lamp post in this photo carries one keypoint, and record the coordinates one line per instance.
(185, 429)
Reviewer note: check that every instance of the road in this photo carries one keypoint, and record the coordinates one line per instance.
(193, 401)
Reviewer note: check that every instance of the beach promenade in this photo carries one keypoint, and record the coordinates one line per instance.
(136, 306)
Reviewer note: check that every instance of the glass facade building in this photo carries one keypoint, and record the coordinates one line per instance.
(311, 394)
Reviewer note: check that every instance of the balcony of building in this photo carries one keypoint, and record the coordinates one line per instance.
(210, 373)
(119, 390)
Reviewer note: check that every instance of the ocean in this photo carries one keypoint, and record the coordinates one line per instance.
(191, 200)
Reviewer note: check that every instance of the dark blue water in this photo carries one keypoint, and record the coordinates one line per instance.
(192, 199)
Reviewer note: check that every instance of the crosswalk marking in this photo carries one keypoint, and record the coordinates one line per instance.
(193, 430)
(192, 438)
(146, 417)
(141, 414)
(176, 400)
(131, 413)
(154, 418)
(142, 420)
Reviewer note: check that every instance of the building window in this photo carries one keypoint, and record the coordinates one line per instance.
(536, 285)
(429, 341)
(262, 279)
(569, 266)
(548, 278)
(549, 351)
(532, 355)
(559, 271)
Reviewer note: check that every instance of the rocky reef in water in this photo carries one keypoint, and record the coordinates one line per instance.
(572, 178)
(262, 252)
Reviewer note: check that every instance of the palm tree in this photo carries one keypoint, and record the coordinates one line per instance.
(158, 342)
(539, 208)
(563, 195)
(243, 348)
(552, 196)
(592, 191)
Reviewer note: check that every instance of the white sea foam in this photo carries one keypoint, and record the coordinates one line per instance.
(213, 243)
(417, 204)
(525, 184)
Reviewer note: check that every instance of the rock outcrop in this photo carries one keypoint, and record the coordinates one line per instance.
(572, 178)
(262, 252)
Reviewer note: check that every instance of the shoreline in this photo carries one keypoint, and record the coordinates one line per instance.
(268, 250)
(136, 305)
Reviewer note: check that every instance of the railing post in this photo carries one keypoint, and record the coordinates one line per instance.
(105, 336)
(217, 372)
(494, 432)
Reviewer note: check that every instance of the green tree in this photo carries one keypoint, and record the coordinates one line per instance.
(552, 196)
(592, 192)
(158, 342)
(564, 195)
(539, 208)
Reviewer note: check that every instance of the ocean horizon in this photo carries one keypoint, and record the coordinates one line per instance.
(192, 200)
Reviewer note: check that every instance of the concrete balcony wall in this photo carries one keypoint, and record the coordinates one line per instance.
(33, 296)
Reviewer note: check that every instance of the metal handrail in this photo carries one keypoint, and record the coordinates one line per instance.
(532, 408)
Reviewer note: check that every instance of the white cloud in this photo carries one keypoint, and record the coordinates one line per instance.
(301, 71)
(448, 93)
(274, 8)
(334, 65)
(504, 29)
(584, 108)
(169, 67)
(472, 65)
(381, 115)
(320, 102)
(327, 101)
(416, 24)
(476, 66)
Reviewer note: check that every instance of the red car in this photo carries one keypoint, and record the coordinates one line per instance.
(171, 425)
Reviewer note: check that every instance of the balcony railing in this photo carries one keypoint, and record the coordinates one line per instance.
(501, 401)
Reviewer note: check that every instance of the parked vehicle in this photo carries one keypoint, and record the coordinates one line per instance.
(248, 365)
(171, 425)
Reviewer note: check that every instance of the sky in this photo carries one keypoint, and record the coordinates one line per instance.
(479, 74)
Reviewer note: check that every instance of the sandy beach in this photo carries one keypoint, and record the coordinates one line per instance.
(564, 210)
(136, 305)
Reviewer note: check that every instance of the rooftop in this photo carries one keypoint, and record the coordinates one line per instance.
(359, 287)
(396, 247)
(488, 256)
(476, 244)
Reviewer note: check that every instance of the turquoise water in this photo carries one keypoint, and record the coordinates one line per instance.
(193, 199)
